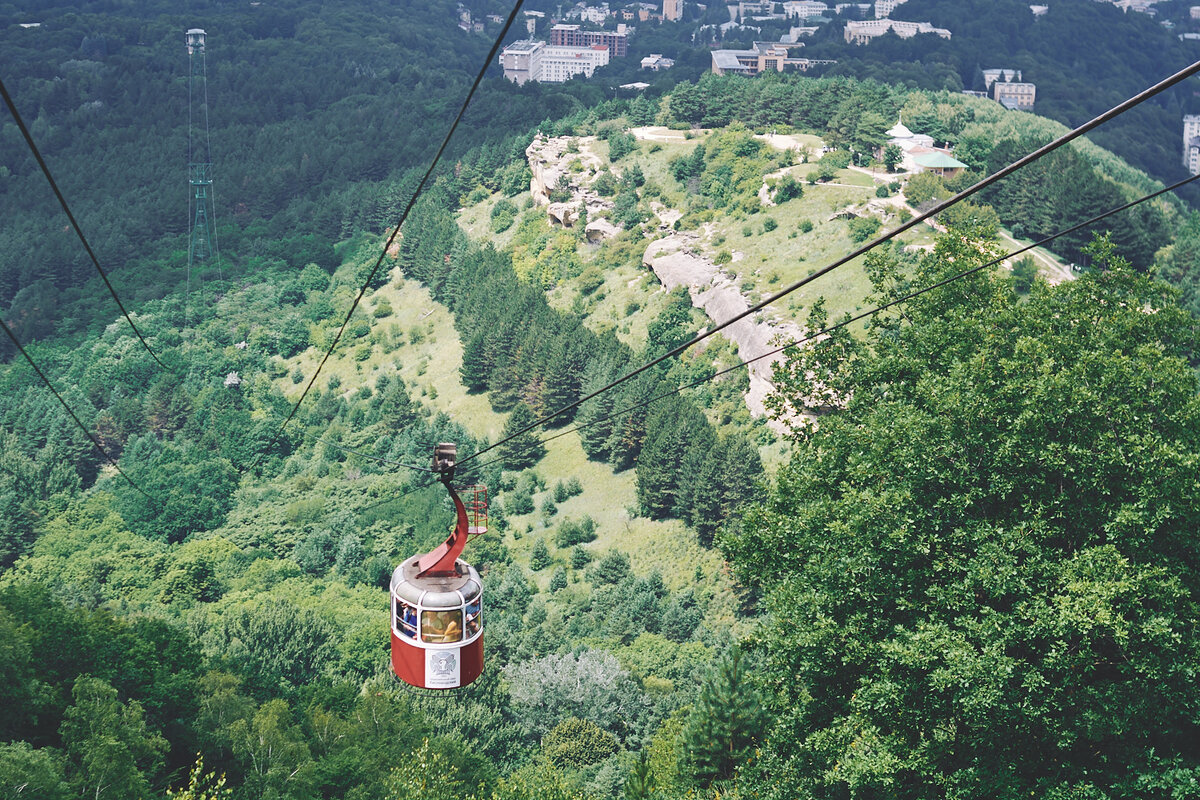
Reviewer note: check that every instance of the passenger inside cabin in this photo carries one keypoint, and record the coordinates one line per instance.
(441, 626)
(473, 619)
(407, 622)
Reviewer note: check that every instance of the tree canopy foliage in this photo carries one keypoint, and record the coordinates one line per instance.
(980, 567)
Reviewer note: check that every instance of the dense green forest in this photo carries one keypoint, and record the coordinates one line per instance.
(975, 577)
(311, 115)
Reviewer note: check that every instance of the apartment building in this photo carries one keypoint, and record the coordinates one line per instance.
(1191, 143)
(543, 63)
(564, 35)
(990, 76)
(1014, 96)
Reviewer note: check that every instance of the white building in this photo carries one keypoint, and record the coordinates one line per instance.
(544, 63)
(593, 14)
(747, 8)
(863, 31)
(531, 20)
(798, 32)
(805, 8)
(884, 8)
(657, 61)
(990, 76)
(1191, 143)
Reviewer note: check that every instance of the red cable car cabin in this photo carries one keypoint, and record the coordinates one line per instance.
(437, 599)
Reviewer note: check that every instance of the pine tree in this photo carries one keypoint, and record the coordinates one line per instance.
(525, 449)
(396, 409)
(640, 783)
(539, 557)
(563, 372)
(724, 723)
(476, 368)
(725, 479)
(594, 428)
(675, 428)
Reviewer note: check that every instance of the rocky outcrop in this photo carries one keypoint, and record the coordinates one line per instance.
(550, 160)
(677, 261)
(600, 228)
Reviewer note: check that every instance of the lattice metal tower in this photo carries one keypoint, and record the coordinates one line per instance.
(201, 243)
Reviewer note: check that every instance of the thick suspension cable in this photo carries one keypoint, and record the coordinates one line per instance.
(404, 215)
(37, 155)
(95, 442)
(1050, 147)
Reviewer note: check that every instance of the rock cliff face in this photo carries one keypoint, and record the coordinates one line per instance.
(676, 261)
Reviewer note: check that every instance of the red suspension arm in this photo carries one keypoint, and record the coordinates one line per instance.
(440, 560)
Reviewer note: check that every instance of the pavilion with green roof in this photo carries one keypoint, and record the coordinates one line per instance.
(939, 163)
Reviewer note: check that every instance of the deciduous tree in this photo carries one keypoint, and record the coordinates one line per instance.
(981, 571)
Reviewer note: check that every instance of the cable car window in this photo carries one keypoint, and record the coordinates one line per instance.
(406, 620)
(474, 616)
(441, 627)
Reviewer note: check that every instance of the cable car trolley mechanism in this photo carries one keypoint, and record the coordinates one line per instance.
(437, 598)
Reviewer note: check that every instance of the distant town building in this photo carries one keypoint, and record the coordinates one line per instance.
(747, 8)
(1014, 96)
(594, 14)
(672, 10)
(543, 63)
(1039, 11)
(656, 62)
(1191, 143)
(863, 31)
(563, 35)
(1194, 12)
(990, 76)
(803, 9)
(1140, 6)
(798, 32)
(648, 11)
(884, 8)
(861, 8)
(763, 57)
